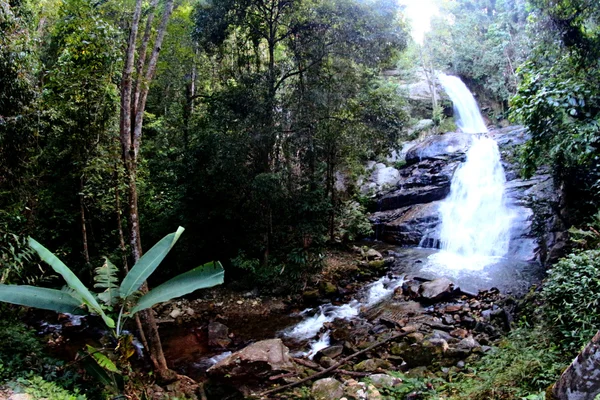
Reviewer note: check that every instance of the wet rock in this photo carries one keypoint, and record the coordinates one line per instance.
(257, 361)
(448, 145)
(436, 290)
(452, 308)
(327, 389)
(218, 335)
(175, 313)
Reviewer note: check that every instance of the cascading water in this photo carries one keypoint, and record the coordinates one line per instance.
(475, 221)
(467, 115)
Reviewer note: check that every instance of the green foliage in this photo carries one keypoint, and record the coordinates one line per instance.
(106, 278)
(423, 388)
(588, 238)
(38, 388)
(353, 221)
(571, 294)
(523, 365)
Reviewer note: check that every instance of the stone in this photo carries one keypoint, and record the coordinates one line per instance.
(452, 308)
(372, 364)
(327, 288)
(175, 313)
(377, 264)
(218, 335)
(436, 289)
(332, 351)
(326, 362)
(355, 390)
(373, 254)
(310, 295)
(254, 362)
(327, 389)
(21, 396)
(384, 380)
(460, 333)
(373, 393)
(468, 343)
(415, 337)
(454, 144)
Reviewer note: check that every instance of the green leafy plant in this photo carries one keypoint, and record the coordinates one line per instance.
(353, 221)
(39, 388)
(77, 299)
(522, 365)
(571, 296)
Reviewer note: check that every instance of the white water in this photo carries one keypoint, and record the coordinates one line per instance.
(475, 227)
(467, 115)
(311, 326)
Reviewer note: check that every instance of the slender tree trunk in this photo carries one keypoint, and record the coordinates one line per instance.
(581, 381)
(133, 104)
(86, 252)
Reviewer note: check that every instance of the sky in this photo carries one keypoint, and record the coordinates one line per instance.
(419, 12)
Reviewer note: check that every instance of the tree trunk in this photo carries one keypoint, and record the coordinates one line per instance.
(581, 381)
(133, 104)
(86, 252)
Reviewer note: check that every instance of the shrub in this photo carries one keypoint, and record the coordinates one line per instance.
(523, 365)
(571, 295)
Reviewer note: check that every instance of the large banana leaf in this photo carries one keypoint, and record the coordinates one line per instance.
(47, 299)
(148, 263)
(207, 275)
(72, 280)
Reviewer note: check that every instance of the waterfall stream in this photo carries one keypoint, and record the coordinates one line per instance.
(475, 220)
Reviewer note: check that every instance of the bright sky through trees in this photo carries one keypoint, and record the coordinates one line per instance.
(419, 12)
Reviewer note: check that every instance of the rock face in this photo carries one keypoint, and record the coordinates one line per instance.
(257, 361)
(407, 214)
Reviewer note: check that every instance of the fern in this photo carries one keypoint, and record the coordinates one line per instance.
(106, 278)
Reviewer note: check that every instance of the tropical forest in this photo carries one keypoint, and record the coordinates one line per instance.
(300, 199)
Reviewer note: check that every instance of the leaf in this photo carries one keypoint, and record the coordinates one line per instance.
(207, 275)
(72, 280)
(102, 360)
(44, 298)
(148, 263)
(106, 278)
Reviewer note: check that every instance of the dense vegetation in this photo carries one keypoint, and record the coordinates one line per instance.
(248, 116)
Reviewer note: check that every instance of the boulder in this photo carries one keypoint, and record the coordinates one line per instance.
(453, 144)
(373, 254)
(254, 362)
(327, 389)
(218, 335)
(436, 289)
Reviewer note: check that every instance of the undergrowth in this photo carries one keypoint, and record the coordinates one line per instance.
(523, 365)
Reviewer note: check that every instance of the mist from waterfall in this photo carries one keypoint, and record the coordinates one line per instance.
(475, 221)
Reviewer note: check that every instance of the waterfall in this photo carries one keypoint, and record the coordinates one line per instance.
(475, 221)
(467, 115)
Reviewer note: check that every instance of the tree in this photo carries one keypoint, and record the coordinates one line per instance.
(133, 104)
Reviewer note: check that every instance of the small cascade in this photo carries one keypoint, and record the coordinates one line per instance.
(475, 221)
(311, 326)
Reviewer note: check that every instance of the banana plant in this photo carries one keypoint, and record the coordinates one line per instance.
(77, 299)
